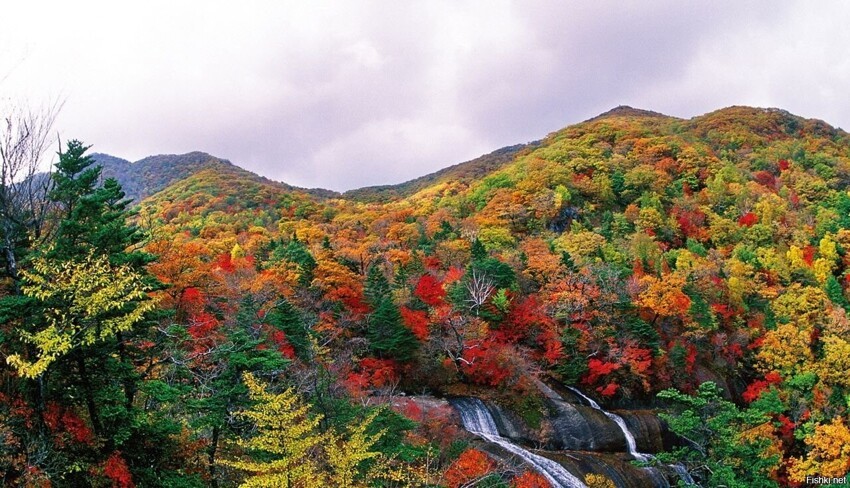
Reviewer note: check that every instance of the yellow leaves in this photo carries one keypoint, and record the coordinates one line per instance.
(805, 305)
(593, 480)
(795, 258)
(649, 218)
(345, 455)
(237, 252)
(496, 238)
(287, 431)
(739, 281)
(828, 249)
(835, 364)
(760, 433)
(87, 301)
(581, 245)
(786, 349)
(829, 453)
(828, 260)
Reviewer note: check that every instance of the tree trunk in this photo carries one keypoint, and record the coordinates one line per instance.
(89, 394)
(211, 456)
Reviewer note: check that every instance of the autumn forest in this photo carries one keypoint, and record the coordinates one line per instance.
(636, 300)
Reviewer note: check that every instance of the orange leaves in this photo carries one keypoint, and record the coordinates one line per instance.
(541, 264)
(471, 465)
(530, 479)
(664, 296)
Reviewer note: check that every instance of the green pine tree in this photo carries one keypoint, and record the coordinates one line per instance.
(387, 334)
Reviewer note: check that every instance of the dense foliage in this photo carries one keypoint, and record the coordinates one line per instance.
(631, 255)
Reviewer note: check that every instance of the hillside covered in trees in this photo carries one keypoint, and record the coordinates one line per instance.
(234, 331)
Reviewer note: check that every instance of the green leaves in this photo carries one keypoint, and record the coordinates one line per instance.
(720, 451)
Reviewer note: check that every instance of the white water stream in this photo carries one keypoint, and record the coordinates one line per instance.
(479, 421)
(630, 439)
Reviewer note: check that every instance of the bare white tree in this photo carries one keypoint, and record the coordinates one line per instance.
(480, 287)
(24, 136)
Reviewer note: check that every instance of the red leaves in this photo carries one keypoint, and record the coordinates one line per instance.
(553, 348)
(471, 465)
(523, 316)
(65, 424)
(487, 363)
(373, 373)
(765, 178)
(430, 290)
(755, 389)
(116, 470)
(203, 325)
(809, 254)
(749, 219)
(278, 338)
(597, 369)
(691, 222)
(609, 390)
(224, 263)
(453, 274)
(783, 164)
(786, 428)
(416, 321)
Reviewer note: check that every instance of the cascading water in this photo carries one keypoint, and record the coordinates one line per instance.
(630, 439)
(479, 421)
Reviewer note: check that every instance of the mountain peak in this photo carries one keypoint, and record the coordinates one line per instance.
(627, 111)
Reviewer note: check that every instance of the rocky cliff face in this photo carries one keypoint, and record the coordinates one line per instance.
(575, 438)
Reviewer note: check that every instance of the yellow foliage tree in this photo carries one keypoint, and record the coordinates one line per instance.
(344, 455)
(829, 453)
(286, 431)
(87, 301)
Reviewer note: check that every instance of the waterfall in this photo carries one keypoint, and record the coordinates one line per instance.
(478, 420)
(630, 439)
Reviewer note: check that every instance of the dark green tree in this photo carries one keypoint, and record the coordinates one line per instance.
(285, 317)
(377, 287)
(387, 334)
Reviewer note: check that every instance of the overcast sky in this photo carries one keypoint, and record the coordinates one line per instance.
(346, 94)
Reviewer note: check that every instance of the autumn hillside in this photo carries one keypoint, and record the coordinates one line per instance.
(695, 270)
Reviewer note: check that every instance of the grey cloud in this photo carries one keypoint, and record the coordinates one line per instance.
(347, 94)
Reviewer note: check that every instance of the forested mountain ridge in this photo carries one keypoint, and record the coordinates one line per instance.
(464, 172)
(154, 173)
(640, 258)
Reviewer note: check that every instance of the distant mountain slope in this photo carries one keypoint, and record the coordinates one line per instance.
(155, 173)
(463, 172)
